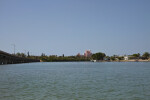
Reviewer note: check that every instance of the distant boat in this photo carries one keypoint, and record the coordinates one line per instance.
(94, 60)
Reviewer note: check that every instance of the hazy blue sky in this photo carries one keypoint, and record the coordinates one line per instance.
(72, 26)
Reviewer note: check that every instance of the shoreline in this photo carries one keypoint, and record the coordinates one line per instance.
(122, 61)
(103, 61)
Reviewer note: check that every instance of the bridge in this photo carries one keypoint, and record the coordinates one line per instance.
(6, 58)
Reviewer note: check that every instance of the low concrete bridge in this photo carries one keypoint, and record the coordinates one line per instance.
(6, 58)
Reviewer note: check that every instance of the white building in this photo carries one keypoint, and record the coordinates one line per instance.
(126, 58)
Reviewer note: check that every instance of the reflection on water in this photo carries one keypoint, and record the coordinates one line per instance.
(75, 81)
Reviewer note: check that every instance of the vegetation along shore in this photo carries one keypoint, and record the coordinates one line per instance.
(88, 56)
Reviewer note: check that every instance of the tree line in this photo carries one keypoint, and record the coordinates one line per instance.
(95, 56)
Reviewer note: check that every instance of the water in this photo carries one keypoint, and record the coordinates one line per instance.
(75, 81)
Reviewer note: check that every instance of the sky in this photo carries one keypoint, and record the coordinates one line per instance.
(68, 27)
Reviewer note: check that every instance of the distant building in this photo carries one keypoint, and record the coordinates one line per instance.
(79, 55)
(126, 58)
(130, 57)
(88, 53)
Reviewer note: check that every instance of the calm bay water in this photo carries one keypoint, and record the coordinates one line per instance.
(75, 81)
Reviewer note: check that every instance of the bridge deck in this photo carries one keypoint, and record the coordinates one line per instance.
(6, 58)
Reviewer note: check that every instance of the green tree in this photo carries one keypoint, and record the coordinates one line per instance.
(112, 58)
(98, 56)
(20, 54)
(146, 55)
(136, 55)
(121, 58)
(43, 55)
(23, 55)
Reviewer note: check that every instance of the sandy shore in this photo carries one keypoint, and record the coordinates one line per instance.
(140, 60)
(134, 60)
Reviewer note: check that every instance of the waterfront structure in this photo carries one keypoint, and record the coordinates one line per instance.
(126, 58)
(131, 57)
(6, 58)
(88, 53)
